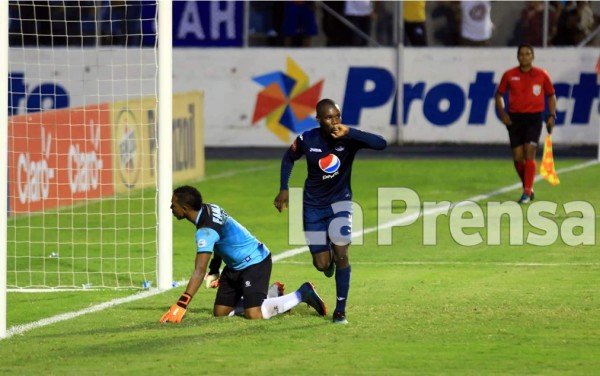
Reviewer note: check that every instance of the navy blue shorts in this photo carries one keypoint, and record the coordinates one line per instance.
(252, 283)
(525, 128)
(327, 224)
(299, 19)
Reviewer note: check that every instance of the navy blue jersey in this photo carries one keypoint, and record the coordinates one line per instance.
(329, 164)
(217, 231)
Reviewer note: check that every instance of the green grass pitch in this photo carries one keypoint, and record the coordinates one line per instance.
(413, 309)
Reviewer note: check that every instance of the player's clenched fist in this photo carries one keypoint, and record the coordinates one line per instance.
(177, 310)
(282, 199)
(212, 281)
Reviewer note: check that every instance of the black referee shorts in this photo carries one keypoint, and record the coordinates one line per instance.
(526, 128)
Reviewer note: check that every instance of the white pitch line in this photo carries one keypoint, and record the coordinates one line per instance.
(229, 174)
(19, 329)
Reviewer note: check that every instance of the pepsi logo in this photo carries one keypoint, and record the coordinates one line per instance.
(329, 164)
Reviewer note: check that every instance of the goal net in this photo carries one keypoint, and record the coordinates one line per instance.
(82, 145)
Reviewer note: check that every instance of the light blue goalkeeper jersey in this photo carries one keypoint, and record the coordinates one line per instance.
(219, 233)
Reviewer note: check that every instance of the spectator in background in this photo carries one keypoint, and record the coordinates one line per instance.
(22, 24)
(359, 13)
(121, 22)
(575, 23)
(384, 23)
(476, 23)
(563, 35)
(585, 21)
(449, 34)
(73, 23)
(299, 23)
(532, 23)
(33, 25)
(265, 20)
(414, 23)
(332, 27)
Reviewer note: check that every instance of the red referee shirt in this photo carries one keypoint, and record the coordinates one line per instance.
(527, 91)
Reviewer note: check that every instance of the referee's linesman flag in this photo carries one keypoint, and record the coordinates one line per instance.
(547, 166)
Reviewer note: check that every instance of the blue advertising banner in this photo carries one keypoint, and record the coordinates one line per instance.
(200, 24)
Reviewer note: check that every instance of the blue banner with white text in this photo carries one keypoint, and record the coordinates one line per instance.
(201, 24)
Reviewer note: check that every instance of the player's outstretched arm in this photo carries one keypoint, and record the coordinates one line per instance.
(369, 140)
(177, 310)
(339, 131)
(287, 165)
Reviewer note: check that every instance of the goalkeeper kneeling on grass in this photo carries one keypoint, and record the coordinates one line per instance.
(244, 282)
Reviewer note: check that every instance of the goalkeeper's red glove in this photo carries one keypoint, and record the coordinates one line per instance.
(212, 281)
(177, 310)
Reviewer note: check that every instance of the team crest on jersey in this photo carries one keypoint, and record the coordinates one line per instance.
(329, 164)
(537, 89)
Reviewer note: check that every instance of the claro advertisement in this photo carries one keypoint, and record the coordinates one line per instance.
(64, 156)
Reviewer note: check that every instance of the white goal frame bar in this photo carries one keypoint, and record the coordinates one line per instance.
(3, 161)
(165, 144)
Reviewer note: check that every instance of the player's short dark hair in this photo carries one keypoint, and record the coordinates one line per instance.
(525, 45)
(188, 195)
(324, 103)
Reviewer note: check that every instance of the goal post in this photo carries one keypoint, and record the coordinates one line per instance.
(3, 162)
(87, 155)
(165, 145)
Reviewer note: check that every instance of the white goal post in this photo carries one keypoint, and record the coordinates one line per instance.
(165, 144)
(86, 171)
(3, 161)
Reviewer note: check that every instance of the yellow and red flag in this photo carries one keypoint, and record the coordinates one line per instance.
(547, 166)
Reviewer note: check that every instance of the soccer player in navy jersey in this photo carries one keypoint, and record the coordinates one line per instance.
(330, 151)
(528, 89)
(248, 264)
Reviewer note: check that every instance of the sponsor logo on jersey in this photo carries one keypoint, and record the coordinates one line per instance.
(339, 147)
(315, 150)
(329, 164)
(201, 243)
